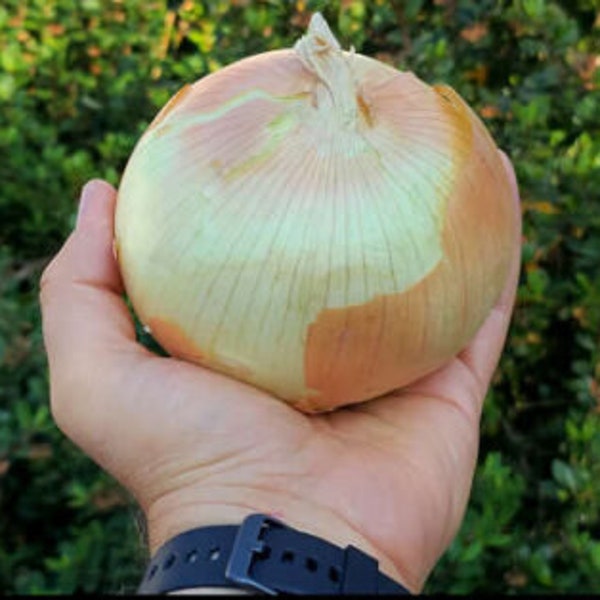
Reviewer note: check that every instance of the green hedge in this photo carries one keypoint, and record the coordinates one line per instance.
(79, 82)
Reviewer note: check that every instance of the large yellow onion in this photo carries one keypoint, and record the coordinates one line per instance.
(316, 223)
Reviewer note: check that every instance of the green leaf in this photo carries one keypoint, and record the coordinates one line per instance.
(564, 475)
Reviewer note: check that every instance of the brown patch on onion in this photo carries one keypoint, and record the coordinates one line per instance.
(365, 110)
(361, 352)
(174, 340)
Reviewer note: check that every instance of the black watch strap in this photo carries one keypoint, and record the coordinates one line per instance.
(264, 555)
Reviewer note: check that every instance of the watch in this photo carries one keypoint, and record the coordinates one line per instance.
(264, 555)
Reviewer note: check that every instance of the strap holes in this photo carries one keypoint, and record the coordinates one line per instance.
(153, 571)
(191, 556)
(334, 574)
(169, 562)
(287, 556)
(311, 564)
(214, 553)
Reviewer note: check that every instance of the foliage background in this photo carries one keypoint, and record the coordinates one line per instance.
(80, 80)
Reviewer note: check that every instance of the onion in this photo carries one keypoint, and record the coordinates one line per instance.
(315, 223)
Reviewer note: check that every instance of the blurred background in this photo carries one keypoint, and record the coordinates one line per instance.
(79, 82)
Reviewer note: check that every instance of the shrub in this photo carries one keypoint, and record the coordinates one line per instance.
(80, 80)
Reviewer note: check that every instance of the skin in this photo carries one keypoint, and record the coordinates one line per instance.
(391, 476)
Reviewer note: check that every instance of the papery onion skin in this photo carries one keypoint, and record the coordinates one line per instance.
(325, 240)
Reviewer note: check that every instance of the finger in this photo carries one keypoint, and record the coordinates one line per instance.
(466, 379)
(437, 422)
(512, 177)
(86, 323)
(483, 352)
(449, 401)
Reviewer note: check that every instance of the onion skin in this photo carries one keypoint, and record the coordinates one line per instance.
(327, 241)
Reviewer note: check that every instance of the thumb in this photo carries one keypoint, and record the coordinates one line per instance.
(87, 256)
(86, 323)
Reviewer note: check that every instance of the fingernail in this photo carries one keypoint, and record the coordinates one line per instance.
(89, 200)
(84, 201)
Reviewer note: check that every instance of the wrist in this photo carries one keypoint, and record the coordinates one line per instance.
(169, 517)
(266, 555)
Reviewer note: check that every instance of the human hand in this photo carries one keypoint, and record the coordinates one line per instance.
(391, 476)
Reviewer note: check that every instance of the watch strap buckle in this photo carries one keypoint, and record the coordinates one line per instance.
(249, 543)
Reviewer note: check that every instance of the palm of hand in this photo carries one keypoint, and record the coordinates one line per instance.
(184, 439)
(391, 465)
(391, 476)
